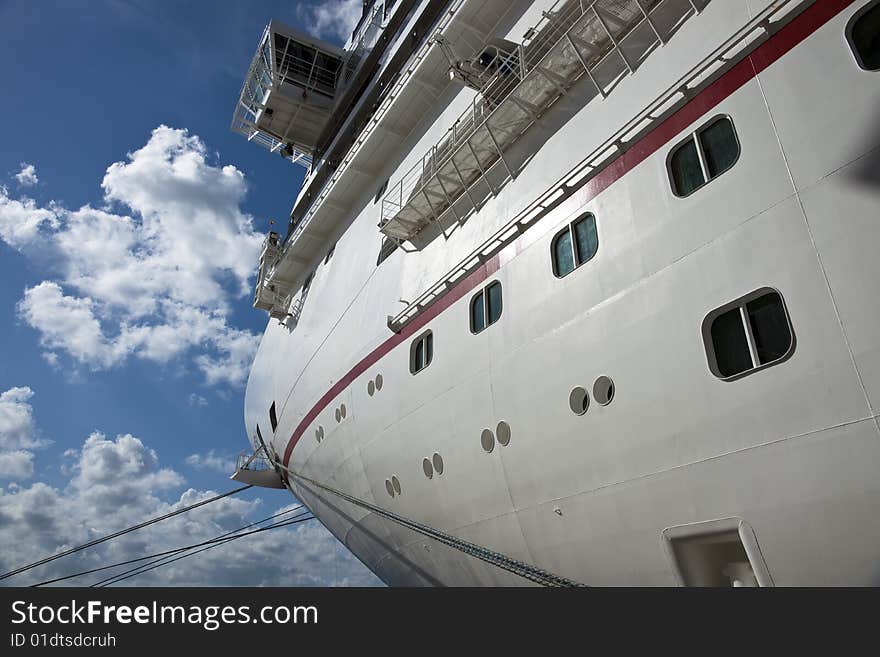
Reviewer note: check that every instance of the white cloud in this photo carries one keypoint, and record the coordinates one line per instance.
(153, 273)
(21, 221)
(27, 177)
(197, 400)
(18, 464)
(211, 461)
(18, 434)
(331, 18)
(115, 483)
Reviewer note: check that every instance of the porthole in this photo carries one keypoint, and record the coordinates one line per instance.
(579, 401)
(379, 382)
(395, 483)
(427, 468)
(338, 415)
(603, 390)
(342, 411)
(502, 431)
(317, 435)
(371, 388)
(487, 440)
(389, 487)
(437, 460)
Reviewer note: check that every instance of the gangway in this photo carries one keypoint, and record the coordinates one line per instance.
(602, 40)
(257, 470)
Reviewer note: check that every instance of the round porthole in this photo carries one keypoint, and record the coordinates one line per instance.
(379, 382)
(437, 460)
(603, 390)
(371, 388)
(321, 431)
(338, 415)
(579, 401)
(502, 431)
(342, 410)
(427, 468)
(389, 487)
(395, 483)
(317, 435)
(487, 440)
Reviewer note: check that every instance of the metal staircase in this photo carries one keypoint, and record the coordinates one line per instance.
(602, 40)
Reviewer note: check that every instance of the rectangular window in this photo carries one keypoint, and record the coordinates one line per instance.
(703, 156)
(421, 352)
(493, 302)
(748, 334)
(563, 256)
(486, 307)
(273, 419)
(574, 245)
(863, 33)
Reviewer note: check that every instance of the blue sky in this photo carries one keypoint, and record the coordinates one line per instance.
(130, 219)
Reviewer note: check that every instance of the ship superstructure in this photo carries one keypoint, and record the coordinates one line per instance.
(577, 291)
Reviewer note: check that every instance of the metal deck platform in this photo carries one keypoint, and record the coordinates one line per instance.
(600, 39)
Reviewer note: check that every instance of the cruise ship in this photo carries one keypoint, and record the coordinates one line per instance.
(577, 293)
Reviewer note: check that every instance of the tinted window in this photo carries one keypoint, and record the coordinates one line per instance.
(576, 244)
(486, 307)
(563, 256)
(749, 333)
(478, 314)
(494, 302)
(769, 327)
(586, 238)
(703, 156)
(731, 345)
(687, 174)
(864, 36)
(421, 352)
(272, 417)
(720, 147)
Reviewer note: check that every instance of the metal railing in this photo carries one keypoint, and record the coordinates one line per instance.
(607, 152)
(408, 70)
(507, 70)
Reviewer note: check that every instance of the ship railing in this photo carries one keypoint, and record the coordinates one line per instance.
(572, 40)
(363, 39)
(758, 29)
(253, 461)
(409, 69)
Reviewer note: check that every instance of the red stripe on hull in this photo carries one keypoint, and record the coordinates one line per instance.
(766, 54)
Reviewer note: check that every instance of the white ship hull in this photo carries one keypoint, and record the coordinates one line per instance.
(785, 458)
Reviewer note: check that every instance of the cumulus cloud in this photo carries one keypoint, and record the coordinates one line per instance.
(18, 434)
(115, 483)
(153, 272)
(211, 461)
(332, 18)
(18, 464)
(27, 177)
(21, 221)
